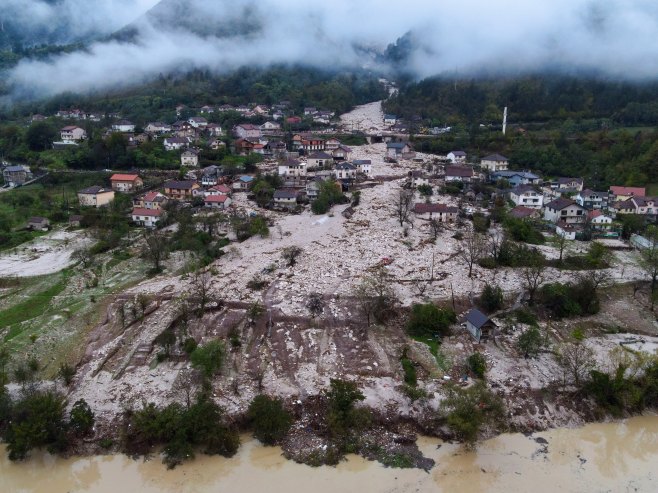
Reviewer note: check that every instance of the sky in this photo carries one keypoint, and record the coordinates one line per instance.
(617, 38)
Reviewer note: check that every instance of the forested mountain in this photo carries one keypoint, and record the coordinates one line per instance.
(537, 98)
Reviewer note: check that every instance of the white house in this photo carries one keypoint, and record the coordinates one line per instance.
(197, 121)
(527, 196)
(565, 210)
(292, 167)
(458, 173)
(157, 128)
(397, 150)
(147, 217)
(123, 126)
(363, 166)
(568, 230)
(176, 143)
(190, 158)
(247, 131)
(599, 221)
(495, 162)
(217, 201)
(590, 199)
(456, 157)
(345, 171)
(441, 212)
(269, 127)
(72, 134)
(418, 178)
(390, 120)
(285, 198)
(320, 160)
(341, 153)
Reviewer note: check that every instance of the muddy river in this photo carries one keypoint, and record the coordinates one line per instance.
(600, 457)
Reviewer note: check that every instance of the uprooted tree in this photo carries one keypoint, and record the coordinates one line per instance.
(375, 295)
(473, 248)
(404, 201)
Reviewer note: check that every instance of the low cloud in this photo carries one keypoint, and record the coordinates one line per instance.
(615, 38)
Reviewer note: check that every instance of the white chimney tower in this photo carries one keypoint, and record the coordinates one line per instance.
(505, 120)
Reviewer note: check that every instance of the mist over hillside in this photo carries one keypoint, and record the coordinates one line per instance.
(615, 39)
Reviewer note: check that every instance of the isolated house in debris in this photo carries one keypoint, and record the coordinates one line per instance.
(479, 325)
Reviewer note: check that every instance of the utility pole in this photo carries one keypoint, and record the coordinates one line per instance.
(505, 120)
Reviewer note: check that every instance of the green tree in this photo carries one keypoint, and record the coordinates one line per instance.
(491, 299)
(469, 410)
(81, 418)
(209, 358)
(530, 342)
(269, 419)
(428, 320)
(40, 136)
(342, 415)
(478, 364)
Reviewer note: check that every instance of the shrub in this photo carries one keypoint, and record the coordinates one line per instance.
(491, 299)
(66, 373)
(477, 364)
(525, 316)
(530, 342)
(409, 369)
(208, 358)
(81, 418)
(524, 231)
(189, 345)
(428, 320)
(343, 416)
(269, 419)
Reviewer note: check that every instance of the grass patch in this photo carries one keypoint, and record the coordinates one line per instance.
(30, 308)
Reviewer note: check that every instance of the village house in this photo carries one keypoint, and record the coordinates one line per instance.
(148, 218)
(244, 147)
(150, 200)
(157, 128)
(218, 190)
(269, 128)
(72, 133)
(181, 190)
(189, 158)
(494, 162)
(417, 178)
(38, 223)
(176, 143)
(332, 144)
(292, 168)
(207, 110)
(217, 201)
(590, 199)
(277, 149)
(646, 206)
(16, 175)
(320, 160)
(217, 144)
(95, 196)
(622, 207)
(323, 117)
(620, 194)
(126, 182)
(565, 210)
(568, 185)
(211, 176)
(480, 326)
(278, 115)
(243, 183)
(567, 230)
(197, 122)
(341, 153)
(123, 126)
(261, 109)
(521, 212)
(293, 120)
(313, 187)
(527, 196)
(37, 118)
(363, 166)
(390, 120)
(184, 129)
(456, 157)
(214, 130)
(285, 198)
(307, 143)
(345, 171)
(398, 150)
(310, 111)
(516, 178)
(440, 212)
(599, 221)
(75, 220)
(458, 173)
(247, 131)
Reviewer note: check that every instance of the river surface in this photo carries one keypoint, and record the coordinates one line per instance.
(613, 457)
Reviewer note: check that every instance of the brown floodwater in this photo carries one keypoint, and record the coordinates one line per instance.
(599, 457)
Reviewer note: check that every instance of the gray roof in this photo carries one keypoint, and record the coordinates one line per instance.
(495, 157)
(93, 190)
(523, 174)
(14, 169)
(285, 194)
(476, 318)
(320, 155)
(396, 145)
(345, 166)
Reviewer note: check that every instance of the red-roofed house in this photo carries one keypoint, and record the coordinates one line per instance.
(218, 190)
(626, 193)
(126, 183)
(217, 201)
(151, 200)
(441, 212)
(147, 217)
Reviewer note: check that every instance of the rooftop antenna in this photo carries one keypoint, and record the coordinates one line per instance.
(505, 120)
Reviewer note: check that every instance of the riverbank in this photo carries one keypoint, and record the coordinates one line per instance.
(598, 457)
